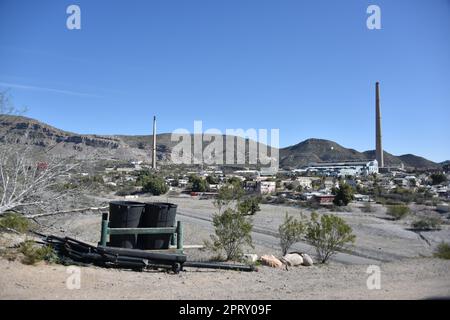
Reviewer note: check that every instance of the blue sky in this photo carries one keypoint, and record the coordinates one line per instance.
(306, 67)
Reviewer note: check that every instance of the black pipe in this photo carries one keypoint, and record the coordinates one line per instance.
(219, 265)
(169, 257)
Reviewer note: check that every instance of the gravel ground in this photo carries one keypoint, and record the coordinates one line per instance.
(407, 271)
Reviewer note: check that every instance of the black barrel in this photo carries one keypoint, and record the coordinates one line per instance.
(157, 215)
(124, 214)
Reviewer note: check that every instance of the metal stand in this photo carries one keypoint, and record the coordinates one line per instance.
(176, 240)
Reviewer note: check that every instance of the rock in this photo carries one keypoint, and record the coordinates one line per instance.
(250, 258)
(307, 260)
(293, 259)
(271, 261)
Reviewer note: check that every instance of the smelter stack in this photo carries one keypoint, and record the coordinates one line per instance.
(154, 144)
(379, 145)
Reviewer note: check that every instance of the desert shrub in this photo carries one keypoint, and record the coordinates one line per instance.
(229, 194)
(15, 221)
(343, 195)
(443, 251)
(290, 231)
(309, 204)
(33, 253)
(367, 208)
(336, 208)
(198, 184)
(380, 200)
(398, 211)
(125, 191)
(427, 223)
(249, 206)
(232, 234)
(154, 184)
(212, 179)
(438, 178)
(235, 181)
(328, 235)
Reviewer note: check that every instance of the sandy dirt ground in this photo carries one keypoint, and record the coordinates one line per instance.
(408, 270)
(409, 279)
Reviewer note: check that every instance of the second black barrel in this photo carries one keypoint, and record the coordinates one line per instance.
(157, 215)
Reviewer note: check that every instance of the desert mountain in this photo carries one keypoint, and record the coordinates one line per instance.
(20, 130)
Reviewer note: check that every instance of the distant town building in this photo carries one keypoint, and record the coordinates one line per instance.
(344, 168)
(305, 182)
(324, 199)
(266, 187)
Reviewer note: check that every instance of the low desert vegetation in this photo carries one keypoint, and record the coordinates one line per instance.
(398, 211)
(198, 184)
(427, 223)
(438, 178)
(249, 206)
(152, 183)
(14, 221)
(367, 208)
(232, 233)
(443, 251)
(290, 231)
(33, 253)
(328, 234)
(343, 195)
(232, 228)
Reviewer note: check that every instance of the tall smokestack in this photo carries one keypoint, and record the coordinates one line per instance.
(154, 144)
(379, 145)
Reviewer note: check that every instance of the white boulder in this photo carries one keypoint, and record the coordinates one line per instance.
(293, 259)
(307, 260)
(250, 258)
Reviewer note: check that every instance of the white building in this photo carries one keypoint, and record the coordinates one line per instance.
(306, 182)
(266, 187)
(344, 168)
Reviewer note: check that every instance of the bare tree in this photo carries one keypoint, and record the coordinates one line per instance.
(24, 180)
(7, 107)
(28, 178)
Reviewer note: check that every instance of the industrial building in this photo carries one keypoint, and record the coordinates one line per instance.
(344, 168)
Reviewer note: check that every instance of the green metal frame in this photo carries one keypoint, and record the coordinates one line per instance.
(176, 240)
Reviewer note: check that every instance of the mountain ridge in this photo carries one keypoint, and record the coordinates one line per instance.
(27, 131)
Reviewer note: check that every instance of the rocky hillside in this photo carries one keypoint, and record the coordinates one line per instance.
(320, 150)
(25, 131)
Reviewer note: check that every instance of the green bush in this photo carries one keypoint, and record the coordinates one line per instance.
(154, 184)
(33, 253)
(398, 211)
(328, 235)
(249, 206)
(428, 223)
(443, 251)
(438, 178)
(343, 195)
(291, 231)
(230, 193)
(15, 221)
(199, 184)
(232, 234)
(212, 179)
